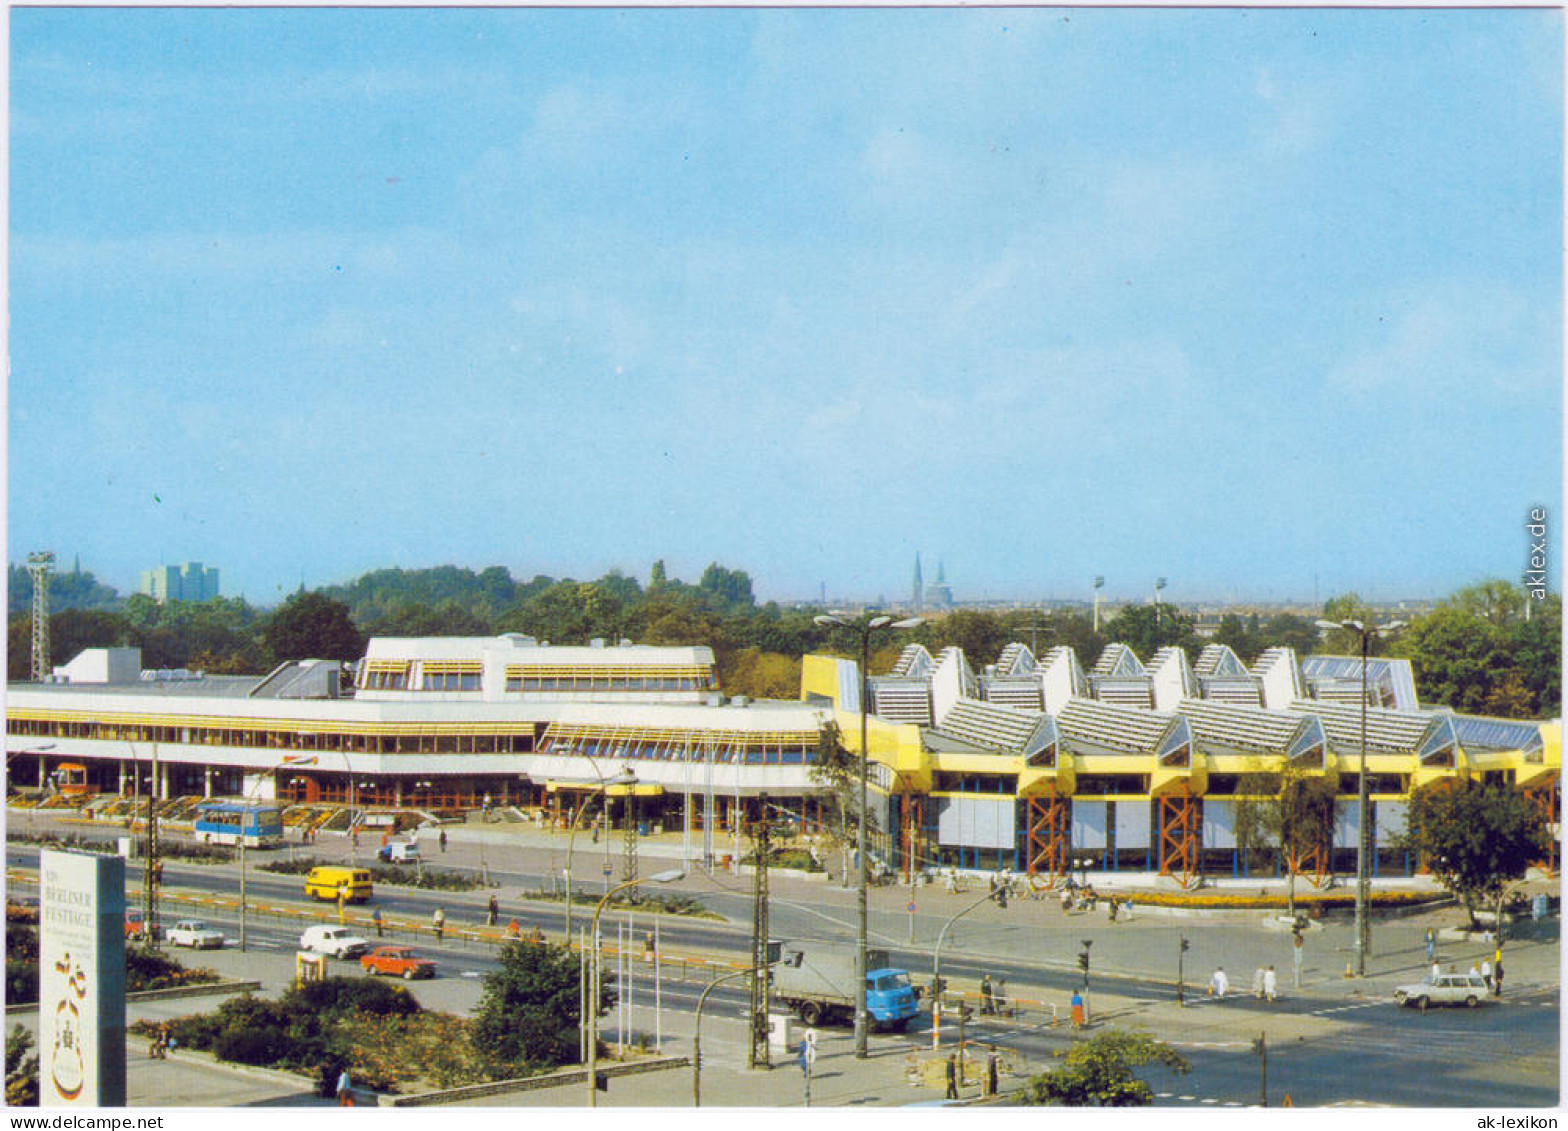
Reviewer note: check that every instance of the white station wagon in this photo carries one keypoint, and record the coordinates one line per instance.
(195, 934)
(1449, 989)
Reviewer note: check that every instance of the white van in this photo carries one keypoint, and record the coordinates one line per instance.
(339, 942)
(399, 853)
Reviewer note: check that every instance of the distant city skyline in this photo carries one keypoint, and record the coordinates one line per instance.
(1263, 301)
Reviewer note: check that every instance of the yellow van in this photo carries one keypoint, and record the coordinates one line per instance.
(329, 882)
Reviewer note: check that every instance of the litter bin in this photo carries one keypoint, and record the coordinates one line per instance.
(642, 828)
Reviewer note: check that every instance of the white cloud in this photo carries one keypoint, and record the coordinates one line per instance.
(1454, 338)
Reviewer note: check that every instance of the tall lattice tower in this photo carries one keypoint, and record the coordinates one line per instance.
(39, 563)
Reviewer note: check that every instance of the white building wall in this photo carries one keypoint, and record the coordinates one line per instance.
(1089, 819)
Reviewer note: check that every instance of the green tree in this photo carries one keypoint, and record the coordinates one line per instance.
(1457, 658)
(1241, 638)
(1344, 641)
(21, 1070)
(730, 587)
(1099, 1072)
(1494, 600)
(1290, 631)
(1292, 810)
(528, 1014)
(310, 626)
(1474, 838)
(836, 771)
(1148, 628)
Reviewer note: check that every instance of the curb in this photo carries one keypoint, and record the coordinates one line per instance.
(530, 1083)
(199, 989)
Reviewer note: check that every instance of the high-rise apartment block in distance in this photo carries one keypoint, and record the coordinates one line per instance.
(187, 581)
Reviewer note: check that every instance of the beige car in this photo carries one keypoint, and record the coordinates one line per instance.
(1449, 989)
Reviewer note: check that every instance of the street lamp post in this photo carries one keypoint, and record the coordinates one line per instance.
(591, 1013)
(936, 969)
(863, 629)
(625, 777)
(1363, 830)
(292, 760)
(696, 1035)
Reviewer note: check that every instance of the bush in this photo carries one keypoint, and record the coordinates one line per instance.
(427, 879)
(21, 960)
(333, 997)
(148, 969)
(253, 1031)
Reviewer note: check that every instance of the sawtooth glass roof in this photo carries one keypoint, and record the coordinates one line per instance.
(1430, 737)
(1253, 729)
(1089, 727)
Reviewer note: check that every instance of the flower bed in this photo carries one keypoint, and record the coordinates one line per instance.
(1314, 903)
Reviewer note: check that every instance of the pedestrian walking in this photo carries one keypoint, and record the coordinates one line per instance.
(1111, 908)
(950, 1072)
(1067, 899)
(1497, 979)
(1219, 984)
(993, 1066)
(987, 1005)
(441, 840)
(1257, 983)
(1127, 909)
(495, 911)
(438, 923)
(1270, 983)
(1431, 944)
(1435, 973)
(1486, 972)
(1297, 956)
(1080, 1018)
(375, 917)
(345, 1090)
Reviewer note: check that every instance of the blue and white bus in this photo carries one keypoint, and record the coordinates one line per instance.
(224, 822)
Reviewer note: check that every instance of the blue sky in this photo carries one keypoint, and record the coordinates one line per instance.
(1253, 300)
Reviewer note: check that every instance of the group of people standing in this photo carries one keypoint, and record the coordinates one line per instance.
(1489, 970)
(1265, 984)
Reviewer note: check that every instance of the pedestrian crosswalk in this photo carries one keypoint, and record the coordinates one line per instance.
(1198, 1099)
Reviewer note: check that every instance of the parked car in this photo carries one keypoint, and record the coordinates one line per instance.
(339, 942)
(398, 853)
(397, 962)
(195, 934)
(1449, 989)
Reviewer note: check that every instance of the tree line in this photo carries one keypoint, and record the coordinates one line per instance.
(1475, 652)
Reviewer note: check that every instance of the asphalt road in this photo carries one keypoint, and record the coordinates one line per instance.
(1324, 1047)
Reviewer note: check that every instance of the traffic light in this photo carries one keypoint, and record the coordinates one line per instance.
(1185, 945)
(938, 986)
(1083, 961)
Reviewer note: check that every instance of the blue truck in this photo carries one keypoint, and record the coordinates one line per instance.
(817, 980)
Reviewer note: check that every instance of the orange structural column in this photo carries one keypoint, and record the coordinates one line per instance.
(1311, 863)
(1181, 819)
(1050, 835)
(1548, 801)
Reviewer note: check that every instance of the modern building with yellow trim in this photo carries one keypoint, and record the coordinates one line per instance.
(1039, 766)
(1030, 765)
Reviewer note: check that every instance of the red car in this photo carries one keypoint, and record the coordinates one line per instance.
(135, 925)
(398, 962)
